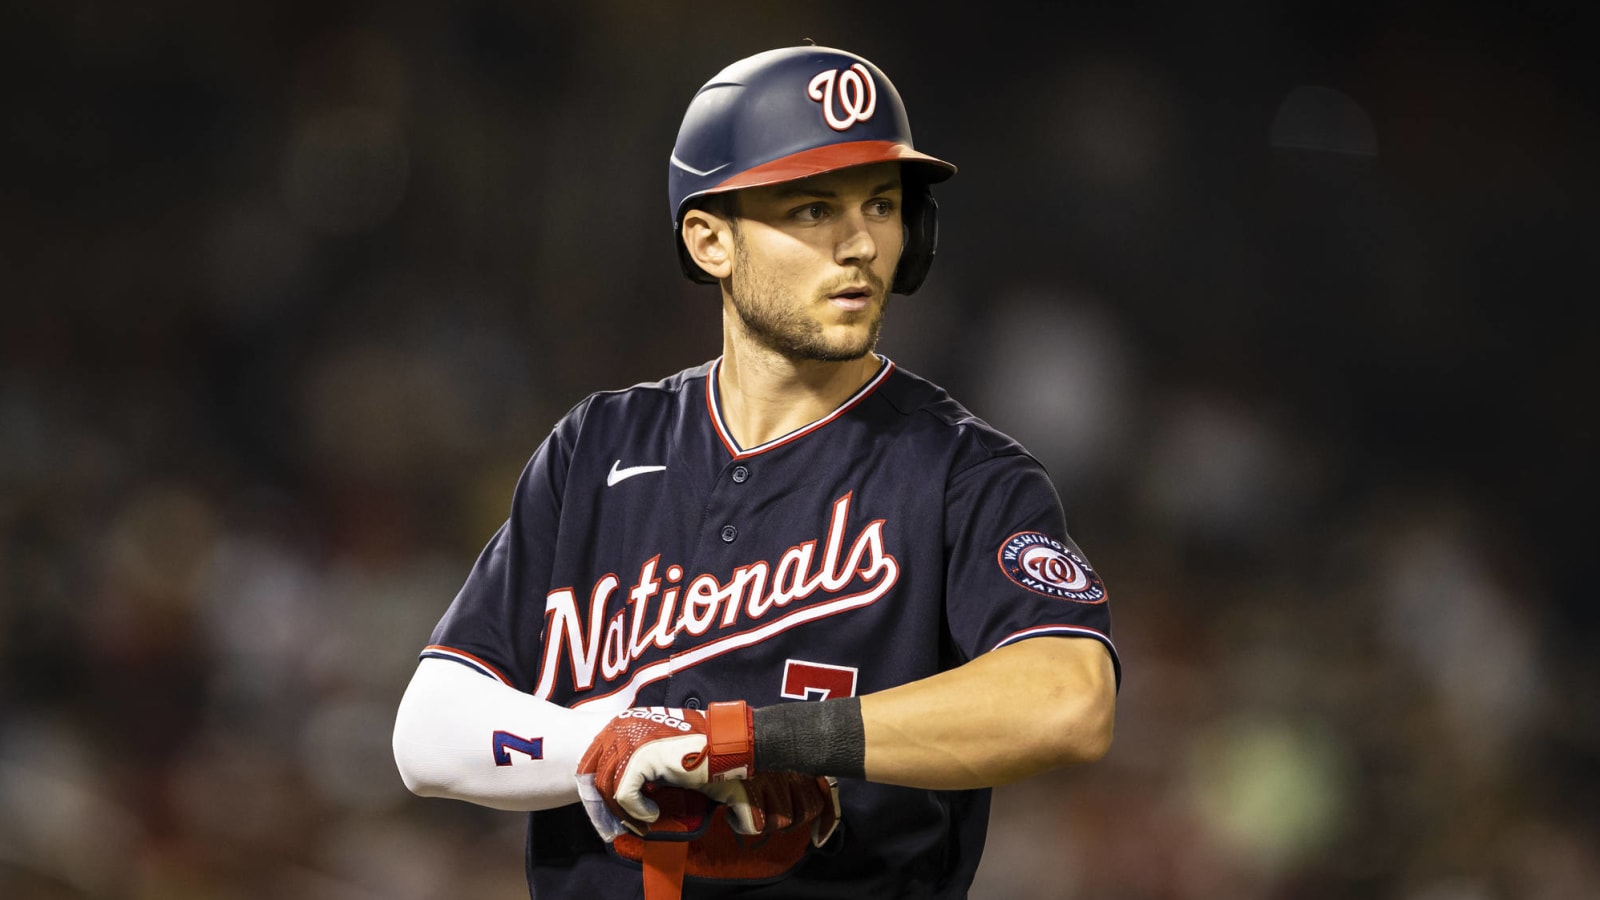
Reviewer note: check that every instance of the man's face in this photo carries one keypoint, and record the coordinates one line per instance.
(813, 260)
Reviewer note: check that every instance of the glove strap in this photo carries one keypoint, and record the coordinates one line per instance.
(664, 863)
(730, 740)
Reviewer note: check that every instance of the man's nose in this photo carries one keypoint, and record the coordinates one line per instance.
(855, 243)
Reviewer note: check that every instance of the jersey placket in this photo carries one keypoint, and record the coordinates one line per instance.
(710, 602)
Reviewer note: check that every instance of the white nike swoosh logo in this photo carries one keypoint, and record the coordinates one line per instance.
(617, 474)
(692, 170)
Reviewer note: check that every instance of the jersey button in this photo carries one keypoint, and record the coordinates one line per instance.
(729, 533)
(692, 703)
(740, 474)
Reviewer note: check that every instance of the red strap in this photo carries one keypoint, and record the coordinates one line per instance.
(730, 737)
(663, 869)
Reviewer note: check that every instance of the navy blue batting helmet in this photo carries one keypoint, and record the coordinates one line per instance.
(800, 111)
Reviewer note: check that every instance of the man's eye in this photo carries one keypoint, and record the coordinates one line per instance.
(881, 207)
(811, 213)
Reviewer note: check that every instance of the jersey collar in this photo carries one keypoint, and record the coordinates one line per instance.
(714, 407)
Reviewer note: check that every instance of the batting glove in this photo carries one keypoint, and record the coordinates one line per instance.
(775, 802)
(680, 747)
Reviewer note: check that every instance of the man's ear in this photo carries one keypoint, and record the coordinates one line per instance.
(709, 239)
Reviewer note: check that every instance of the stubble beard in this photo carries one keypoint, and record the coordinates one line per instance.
(777, 320)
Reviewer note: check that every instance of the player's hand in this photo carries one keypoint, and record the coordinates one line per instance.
(790, 812)
(774, 802)
(680, 747)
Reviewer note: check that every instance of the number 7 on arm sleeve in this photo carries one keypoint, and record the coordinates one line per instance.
(463, 735)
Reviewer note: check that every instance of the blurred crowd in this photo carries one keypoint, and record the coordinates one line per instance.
(1287, 304)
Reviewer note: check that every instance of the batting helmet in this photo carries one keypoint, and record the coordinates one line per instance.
(800, 111)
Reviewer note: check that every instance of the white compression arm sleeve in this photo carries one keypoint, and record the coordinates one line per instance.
(454, 723)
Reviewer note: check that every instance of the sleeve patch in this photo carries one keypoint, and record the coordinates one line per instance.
(1046, 566)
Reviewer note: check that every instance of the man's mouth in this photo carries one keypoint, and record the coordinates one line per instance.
(851, 298)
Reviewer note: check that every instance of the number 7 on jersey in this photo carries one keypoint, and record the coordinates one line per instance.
(804, 680)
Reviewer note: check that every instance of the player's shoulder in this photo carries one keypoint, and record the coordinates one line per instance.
(931, 413)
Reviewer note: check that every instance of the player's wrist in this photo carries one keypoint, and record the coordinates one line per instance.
(815, 738)
(730, 740)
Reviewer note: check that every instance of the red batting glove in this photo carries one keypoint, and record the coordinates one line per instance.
(776, 802)
(681, 747)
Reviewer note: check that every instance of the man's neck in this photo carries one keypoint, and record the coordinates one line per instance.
(765, 395)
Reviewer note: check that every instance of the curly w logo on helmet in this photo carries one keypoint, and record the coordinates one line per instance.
(857, 95)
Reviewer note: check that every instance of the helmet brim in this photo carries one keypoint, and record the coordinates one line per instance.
(832, 157)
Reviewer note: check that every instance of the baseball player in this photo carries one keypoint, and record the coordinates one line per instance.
(773, 625)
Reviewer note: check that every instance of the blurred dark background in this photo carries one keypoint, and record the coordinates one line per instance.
(1290, 302)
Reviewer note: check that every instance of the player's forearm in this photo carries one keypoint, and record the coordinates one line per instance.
(1012, 713)
(1018, 711)
(462, 735)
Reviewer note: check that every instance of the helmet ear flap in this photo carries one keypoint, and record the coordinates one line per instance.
(920, 218)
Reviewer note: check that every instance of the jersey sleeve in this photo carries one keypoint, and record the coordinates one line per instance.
(1013, 572)
(496, 620)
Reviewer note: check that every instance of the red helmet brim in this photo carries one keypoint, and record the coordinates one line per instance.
(832, 157)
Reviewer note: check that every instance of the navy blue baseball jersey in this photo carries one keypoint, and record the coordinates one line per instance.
(649, 560)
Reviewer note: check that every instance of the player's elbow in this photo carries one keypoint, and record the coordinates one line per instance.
(1082, 721)
(419, 776)
(1075, 732)
(1089, 733)
(413, 773)
(421, 783)
(415, 781)
(417, 753)
(1067, 690)
(1070, 731)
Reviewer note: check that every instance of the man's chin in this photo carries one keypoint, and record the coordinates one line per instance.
(843, 348)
